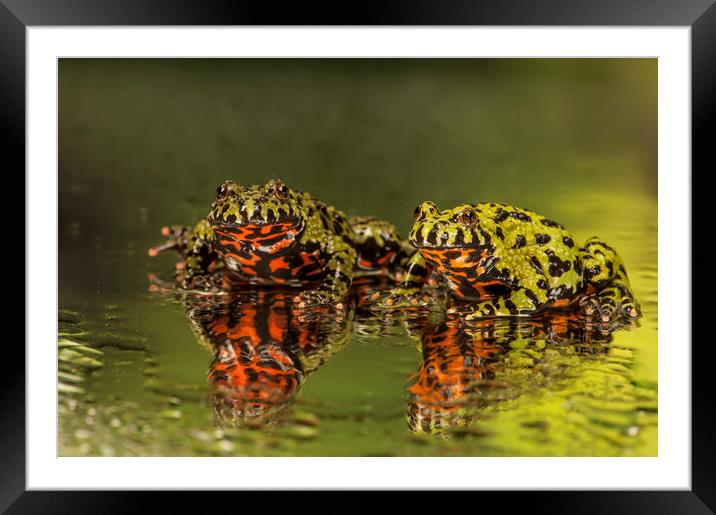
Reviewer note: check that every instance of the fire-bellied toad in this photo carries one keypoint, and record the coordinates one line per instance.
(500, 260)
(269, 234)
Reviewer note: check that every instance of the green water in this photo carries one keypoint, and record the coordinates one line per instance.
(144, 143)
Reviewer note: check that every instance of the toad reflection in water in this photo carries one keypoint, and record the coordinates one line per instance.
(263, 348)
(469, 366)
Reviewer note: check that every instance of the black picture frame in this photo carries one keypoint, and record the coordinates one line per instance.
(17, 15)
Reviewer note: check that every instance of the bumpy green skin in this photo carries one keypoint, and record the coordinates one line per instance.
(269, 234)
(500, 260)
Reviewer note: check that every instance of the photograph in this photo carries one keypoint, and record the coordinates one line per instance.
(357, 257)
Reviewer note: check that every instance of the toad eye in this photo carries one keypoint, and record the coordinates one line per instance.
(225, 189)
(280, 190)
(467, 217)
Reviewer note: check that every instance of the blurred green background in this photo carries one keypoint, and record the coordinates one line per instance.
(145, 142)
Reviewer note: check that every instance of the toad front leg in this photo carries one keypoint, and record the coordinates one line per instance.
(197, 257)
(410, 292)
(337, 279)
(526, 294)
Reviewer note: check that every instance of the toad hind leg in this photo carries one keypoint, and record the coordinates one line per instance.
(609, 291)
(518, 303)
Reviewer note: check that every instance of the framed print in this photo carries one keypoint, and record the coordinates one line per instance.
(437, 240)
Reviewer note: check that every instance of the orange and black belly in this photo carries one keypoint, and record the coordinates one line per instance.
(469, 272)
(269, 254)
